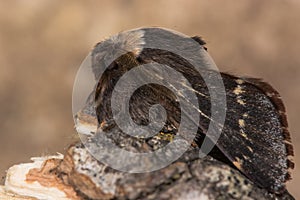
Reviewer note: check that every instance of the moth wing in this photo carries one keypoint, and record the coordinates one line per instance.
(255, 135)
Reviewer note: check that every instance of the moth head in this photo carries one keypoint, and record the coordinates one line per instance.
(108, 50)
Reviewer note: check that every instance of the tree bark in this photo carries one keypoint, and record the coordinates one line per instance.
(78, 175)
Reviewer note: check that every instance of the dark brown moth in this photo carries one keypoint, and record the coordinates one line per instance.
(255, 137)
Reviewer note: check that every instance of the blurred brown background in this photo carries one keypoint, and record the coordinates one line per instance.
(42, 44)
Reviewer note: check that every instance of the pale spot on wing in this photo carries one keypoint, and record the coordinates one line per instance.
(238, 90)
(250, 149)
(246, 157)
(242, 123)
(241, 102)
(239, 81)
(244, 134)
(238, 163)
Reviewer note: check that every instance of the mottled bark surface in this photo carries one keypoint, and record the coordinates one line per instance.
(78, 175)
(188, 178)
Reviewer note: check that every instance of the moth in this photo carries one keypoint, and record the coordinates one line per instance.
(254, 138)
